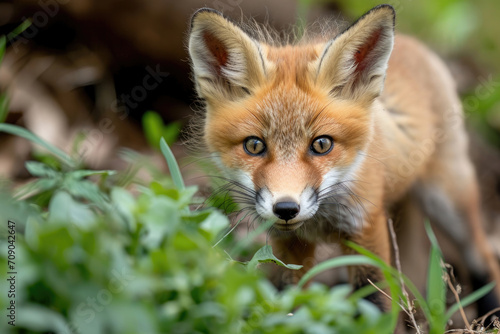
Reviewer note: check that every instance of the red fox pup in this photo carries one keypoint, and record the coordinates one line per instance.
(318, 136)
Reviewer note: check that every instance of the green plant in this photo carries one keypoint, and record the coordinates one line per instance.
(112, 262)
(155, 129)
(4, 99)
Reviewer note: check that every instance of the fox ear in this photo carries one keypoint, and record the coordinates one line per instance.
(226, 62)
(353, 65)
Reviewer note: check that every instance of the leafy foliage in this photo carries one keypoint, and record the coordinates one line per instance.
(96, 259)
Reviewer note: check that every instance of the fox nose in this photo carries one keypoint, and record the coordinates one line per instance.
(286, 210)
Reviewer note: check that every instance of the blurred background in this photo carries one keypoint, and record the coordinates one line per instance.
(94, 76)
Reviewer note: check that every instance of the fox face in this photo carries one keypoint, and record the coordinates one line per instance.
(291, 155)
(290, 125)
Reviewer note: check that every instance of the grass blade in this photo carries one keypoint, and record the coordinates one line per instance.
(432, 236)
(4, 105)
(242, 244)
(3, 42)
(21, 132)
(19, 30)
(392, 277)
(436, 285)
(436, 292)
(231, 229)
(172, 165)
(341, 261)
(464, 302)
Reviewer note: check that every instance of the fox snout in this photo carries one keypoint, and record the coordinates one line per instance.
(286, 209)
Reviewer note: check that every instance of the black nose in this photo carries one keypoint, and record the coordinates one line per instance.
(286, 210)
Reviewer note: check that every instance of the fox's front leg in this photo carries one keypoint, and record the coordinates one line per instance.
(374, 237)
(292, 250)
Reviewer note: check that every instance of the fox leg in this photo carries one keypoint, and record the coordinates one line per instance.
(449, 195)
(375, 238)
(292, 250)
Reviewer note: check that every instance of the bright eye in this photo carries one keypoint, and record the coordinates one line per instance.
(322, 145)
(254, 146)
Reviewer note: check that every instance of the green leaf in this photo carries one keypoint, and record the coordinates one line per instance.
(86, 190)
(185, 242)
(231, 229)
(35, 187)
(41, 319)
(186, 196)
(155, 129)
(80, 174)
(160, 189)
(160, 219)
(152, 124)
(21, 132)
(124, 203)
(63, 208)
(31, 232)
(214, 224)
(130, 318)
(171, 132)
(40, 169)
(172, 165)
(48, 159)
(182, 197)
(265, 255)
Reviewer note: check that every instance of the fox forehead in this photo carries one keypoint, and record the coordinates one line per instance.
(288, 110)
(287, 119)
(292, 64)
(286, 115)
(292, 107)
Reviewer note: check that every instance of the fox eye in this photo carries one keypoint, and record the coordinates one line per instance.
(322, 145)
(254, 146)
